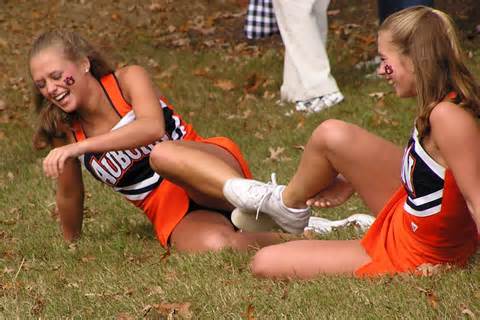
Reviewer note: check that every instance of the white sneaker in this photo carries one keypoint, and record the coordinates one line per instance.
(318, 104)
(323, 226)
(302, 105)
(247, 221)
(326, 101)
(256, 196)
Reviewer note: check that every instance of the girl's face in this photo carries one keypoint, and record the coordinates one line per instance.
(395, 67)
(58, 79)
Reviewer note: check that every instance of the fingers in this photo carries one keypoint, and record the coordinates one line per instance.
(54, 163)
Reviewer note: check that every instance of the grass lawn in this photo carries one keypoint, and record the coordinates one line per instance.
(223, 85)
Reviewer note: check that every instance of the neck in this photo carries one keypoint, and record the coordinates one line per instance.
(95, 103)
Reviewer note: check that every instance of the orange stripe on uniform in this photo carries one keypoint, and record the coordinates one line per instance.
(78, 131)
(112, 88)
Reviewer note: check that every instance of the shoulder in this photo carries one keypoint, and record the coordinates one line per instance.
(447, 118)
(132, 79)
(129, 74)
(446, 113)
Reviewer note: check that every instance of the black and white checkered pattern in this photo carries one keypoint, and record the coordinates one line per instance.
(260, 21)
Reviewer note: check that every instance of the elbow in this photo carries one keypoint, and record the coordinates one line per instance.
(156, 130)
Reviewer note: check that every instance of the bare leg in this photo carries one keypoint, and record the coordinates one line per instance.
(200, 168)
(306, 259)
(370, 163)
(204, 230)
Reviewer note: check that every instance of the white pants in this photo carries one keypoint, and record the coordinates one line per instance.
(303, 26)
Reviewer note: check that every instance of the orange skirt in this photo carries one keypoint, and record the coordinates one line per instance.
(168, 203)
(395, 248)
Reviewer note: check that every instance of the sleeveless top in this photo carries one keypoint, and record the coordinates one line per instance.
(435, 208)
(129, 171)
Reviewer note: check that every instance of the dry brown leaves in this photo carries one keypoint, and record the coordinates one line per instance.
(428, 269)
(432, 298)
(466, 311)
(249, 313)
(225, 85)
(276, 155)
(168, 310)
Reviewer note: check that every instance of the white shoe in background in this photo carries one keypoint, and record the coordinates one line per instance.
(318, 104)
(323, 226)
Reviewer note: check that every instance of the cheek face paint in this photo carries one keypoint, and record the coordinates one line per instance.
(388, 69)
(69, 81)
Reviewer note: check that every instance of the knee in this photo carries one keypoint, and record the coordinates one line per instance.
(263, 263)
(331, 134)
(162, 157)
(215, 241)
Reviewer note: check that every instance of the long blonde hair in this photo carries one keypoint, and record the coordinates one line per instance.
(429, 38)
(74, 48)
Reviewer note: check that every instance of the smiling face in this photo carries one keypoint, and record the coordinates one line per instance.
(59, 79)
(395, 67)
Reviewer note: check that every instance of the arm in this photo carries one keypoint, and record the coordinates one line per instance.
(457, 135)
(69, 197)
(148, 127)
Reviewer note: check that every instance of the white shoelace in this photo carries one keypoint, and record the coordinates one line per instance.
(270, 184)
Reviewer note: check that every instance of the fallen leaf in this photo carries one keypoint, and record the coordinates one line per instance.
(258, 135)
(152, 63)
(171, 309)
(10, 175)
(124, 316)
(275, 154)
(155, 6)
(253, 83)
(467, 311)
(333, 13)
(3, 43)
(201, 72)
(431, 297)
(269, 95)
(299, 147)
(377, 95)
(168, 73)
(88, 258)
(428, 269)
(3, 105)
(156, 290)
(38, 306)
(8, 270)
(182, 42)
(225, 85)
(249, 313)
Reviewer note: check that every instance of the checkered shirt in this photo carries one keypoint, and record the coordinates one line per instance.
(260, 21)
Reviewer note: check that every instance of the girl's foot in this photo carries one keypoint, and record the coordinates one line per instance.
(339, 191)
(258, 197)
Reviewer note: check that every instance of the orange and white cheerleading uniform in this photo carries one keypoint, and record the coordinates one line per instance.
(129, 172)
(425, 221)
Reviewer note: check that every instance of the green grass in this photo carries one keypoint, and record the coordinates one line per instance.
(118, 270)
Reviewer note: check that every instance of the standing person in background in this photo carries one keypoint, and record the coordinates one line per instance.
(307, 80)
(387, 7)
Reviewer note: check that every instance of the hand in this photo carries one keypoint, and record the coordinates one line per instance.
(54, 163)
